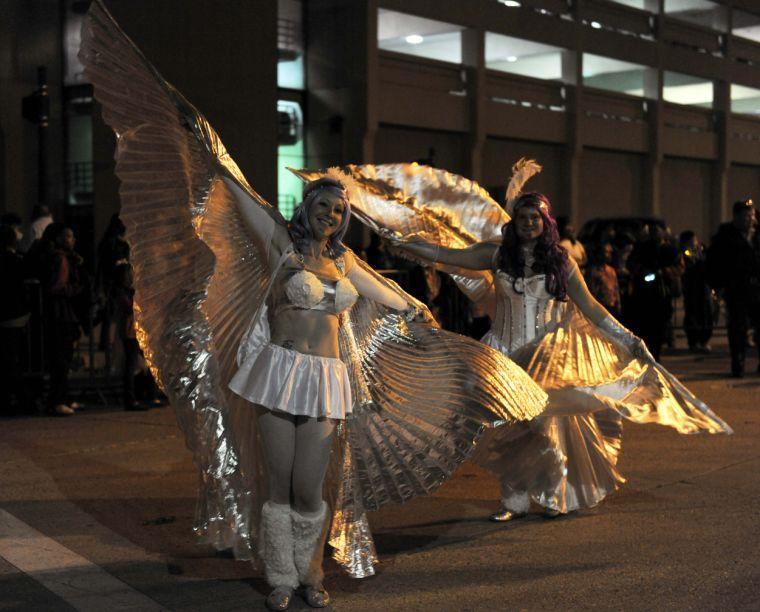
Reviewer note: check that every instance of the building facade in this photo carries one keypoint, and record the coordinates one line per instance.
(633, 107)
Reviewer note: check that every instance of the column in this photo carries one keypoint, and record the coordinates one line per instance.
(721, 207)
(473, 57)
(572, 76)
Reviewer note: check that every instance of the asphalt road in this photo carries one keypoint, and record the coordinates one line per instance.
(96, 513)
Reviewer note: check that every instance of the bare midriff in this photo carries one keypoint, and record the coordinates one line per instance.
(312, 332)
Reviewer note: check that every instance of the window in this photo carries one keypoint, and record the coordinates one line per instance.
(523, 57)
(746, 25)
(73, 70)
(77, 115)
(745, 100)
(412, 35)
(637, 4)
(290, 47)
(698, 12)
(613, 75)
(686, 89)
(290, 152)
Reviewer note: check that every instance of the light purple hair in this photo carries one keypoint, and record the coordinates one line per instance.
(550, 258)
(300, 230)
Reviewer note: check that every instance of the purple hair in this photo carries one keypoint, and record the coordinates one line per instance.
(550, 258)
(301, 232)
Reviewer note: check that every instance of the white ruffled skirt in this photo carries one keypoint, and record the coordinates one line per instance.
(292, 382)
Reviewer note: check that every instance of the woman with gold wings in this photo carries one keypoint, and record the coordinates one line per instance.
(543, 317)
(296, 372)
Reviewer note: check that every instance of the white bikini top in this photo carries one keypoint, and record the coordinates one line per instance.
(304, 290)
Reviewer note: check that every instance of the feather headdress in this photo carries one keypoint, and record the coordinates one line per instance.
(522, 171)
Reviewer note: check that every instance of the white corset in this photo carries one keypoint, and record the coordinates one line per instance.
(525, 310)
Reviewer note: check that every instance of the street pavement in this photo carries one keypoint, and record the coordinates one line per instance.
(96, 513)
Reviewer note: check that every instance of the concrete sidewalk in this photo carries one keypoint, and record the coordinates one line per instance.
(104, 504)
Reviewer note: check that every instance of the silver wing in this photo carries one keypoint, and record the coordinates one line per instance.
(197, 271)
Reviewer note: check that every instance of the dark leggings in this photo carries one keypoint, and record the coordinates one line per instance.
(61, 338)
(741, 315)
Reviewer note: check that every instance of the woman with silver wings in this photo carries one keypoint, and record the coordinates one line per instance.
(310, 389)
(543, 317)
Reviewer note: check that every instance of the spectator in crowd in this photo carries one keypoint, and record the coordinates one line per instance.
(651, 305)
(733, 263)
(569, 242)
(602, 279)
(623, 248)
(697, 295)
(672, 269)
(62, 285)
(113, 251)
(122, 296)
(139, 389)
(14, 315)
(41, 218)
(13, 221)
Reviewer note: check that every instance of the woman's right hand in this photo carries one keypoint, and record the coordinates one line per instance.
(390, 235)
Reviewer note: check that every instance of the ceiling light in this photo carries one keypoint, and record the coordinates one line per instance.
(512, 58)
(510, 3)
(596, 25)
(414, 39)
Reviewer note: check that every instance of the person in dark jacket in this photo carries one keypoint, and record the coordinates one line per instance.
(14, 316)
(113, 251)
(733, 263)
(650, 304)
(624, 243)
(140, 391)
(697, 295)
(602, 279)
(62, 285)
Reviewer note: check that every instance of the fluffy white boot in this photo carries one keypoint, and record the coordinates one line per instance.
(276, 545)
(309, 545)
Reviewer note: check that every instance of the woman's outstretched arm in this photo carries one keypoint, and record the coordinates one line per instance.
(476, 257)
(599, 316)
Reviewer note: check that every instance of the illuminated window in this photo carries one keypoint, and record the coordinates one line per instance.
(699, 12)
(613, 75)
(745, 100)
(686, 89)
(637, 4)
(290, 47)
(73, 70)
(290, 152)
(412, 35)
(746, 25)
(523, 57)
